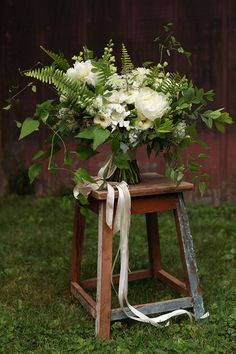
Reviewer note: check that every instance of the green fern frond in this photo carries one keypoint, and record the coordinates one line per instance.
(172, 84)
(126, 61)
(74, 91)
(58, 59)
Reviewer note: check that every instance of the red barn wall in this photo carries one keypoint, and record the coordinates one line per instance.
(205, 28)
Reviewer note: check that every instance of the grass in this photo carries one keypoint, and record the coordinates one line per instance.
(37, 314)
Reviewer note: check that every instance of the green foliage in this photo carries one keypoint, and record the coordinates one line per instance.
(82, 175)
(29, 126)
(75, 92)
(126, 61)
(167, 43)
(95, 133)
(58, 59)
(85, 152)
(34, 171)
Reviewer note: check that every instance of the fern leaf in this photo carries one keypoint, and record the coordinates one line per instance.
(127, 64)
(58, 60)
(74, 91)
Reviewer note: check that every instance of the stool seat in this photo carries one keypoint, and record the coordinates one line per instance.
(152, 183)
(153, 195)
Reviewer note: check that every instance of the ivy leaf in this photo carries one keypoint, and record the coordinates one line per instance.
(7, 107)
(202, 187)
(38, 154)
(82, 175)
(101, 135)
(18, 124)
(33, 172)
(85, 152)
(95, 133)
(87, 133)
(202, 156)
(67, 158)
(121, 161)
(29, 126)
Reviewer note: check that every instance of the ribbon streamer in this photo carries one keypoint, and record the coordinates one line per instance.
(121, 223)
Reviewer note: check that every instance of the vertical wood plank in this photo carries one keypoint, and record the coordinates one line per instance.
(153, 243)
(77, 244)
(104, 269)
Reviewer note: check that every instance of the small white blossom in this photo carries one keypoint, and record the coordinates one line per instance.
(133, 137)
(142, 122)
(117, 113)
(117, 82)
(180, 132)
(103, 120)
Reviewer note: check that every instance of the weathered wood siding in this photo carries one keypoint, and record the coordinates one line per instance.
(206, 28)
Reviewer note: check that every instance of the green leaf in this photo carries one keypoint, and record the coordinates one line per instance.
(85, 152)
(67, 158)
(101, 135)
(33, 172)
(220, 127)
(202, 187)
(38, 154)
(83, 200)
(33, 88)
(82, 175)
(121, 161)
(87, 133)
(18, 124)
(165, 127)
(7, 107)
(43, 110)
(29, 126)
(96, 133)
(202, 156)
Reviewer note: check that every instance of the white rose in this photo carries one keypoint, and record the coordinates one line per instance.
(83, 71)
(142, 122)
(151, 104)
(131, 96)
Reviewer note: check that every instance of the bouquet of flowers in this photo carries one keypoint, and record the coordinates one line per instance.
(96, 104)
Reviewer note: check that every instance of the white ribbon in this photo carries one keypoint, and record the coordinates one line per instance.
(122, 224)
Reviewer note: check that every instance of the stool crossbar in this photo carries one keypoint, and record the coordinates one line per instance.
(153, 195)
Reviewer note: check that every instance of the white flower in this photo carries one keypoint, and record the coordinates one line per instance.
(103, 120)
(117, 81)
(83, 71)
(180, 132)
(117, 97)
(131, 96)
(151, 104)
(117, 113)
(134, 136)
(142, 122)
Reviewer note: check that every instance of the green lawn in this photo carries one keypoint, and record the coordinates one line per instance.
(37, 314)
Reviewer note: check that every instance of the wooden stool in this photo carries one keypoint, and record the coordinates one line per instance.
(154, 194)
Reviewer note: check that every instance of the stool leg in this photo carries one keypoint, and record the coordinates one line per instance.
(104, 269)
(77, 245)
(188, 257)
(153, 243)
